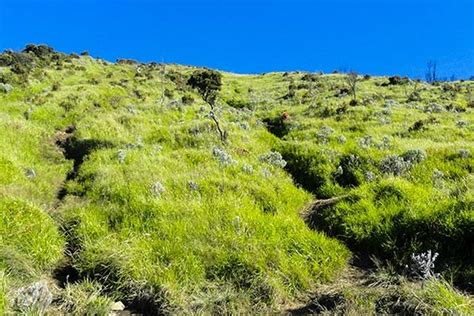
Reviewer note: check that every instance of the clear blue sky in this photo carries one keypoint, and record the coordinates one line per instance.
(376, 37)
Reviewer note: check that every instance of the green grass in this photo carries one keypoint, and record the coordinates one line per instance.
(28, 235)
(3, 292)
(333, 149)
(154, 217)
(85, 298)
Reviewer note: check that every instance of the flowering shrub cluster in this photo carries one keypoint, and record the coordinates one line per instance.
(157, 188)
(464, 153)
(394, 164)
(273, 158)
(266, 173)
(223, 157)
(437, 176)
(5, 87)
(193, 186)
(369, 176)
(121, 154)
(35, 298)
(247, 169)
(390, 103)
(413, 156)
(422, 265)
(385, 144)
(397, 165)
(365, 142)
(30, 173)
(433, 108)
(324, 133)
(341, 139)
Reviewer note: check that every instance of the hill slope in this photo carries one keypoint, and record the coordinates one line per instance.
(116, 185)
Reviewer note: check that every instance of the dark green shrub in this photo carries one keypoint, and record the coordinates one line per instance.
(353, 168)
(20, 63)
(168, 93)
(187, 99)
(311, 77)
(291, 91)
(6, 77)
(238, 103)
(417, 126)
(279, 126)
(127, 62)
(396, 80)
(208, 83)
(56, 86)
(40, 51)
(178, 79)
(414, 96)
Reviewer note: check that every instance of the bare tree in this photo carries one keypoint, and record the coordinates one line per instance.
(209, 83)
(431, 71)
(351, 79)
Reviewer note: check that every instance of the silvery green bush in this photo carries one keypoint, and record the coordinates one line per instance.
(157, 188)
(394, 164)
(341, 139)
(324, 133)
(30, 173)
(121, 154)
(387, 111)
(369, 176)
(5, 87)
(137, 144)
(413, 156)
(193, 186)
(247, 168)
(273, 158)
(462, 123)
(389, 103)
(398, 165)
(385, 144)
(34, 298)
(464, 153)
(437, 175)
(365, 142)
(433, 108)
(422, 265)
(266, 173)
(385, 120)
(244, 126)
(223, 157)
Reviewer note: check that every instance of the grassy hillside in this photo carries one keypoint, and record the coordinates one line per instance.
(116, 185)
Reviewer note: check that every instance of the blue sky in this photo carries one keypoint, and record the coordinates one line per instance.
(375, 37)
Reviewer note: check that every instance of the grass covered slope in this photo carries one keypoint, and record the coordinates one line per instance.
(154, 206)
(132, 182)
(402, 151)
